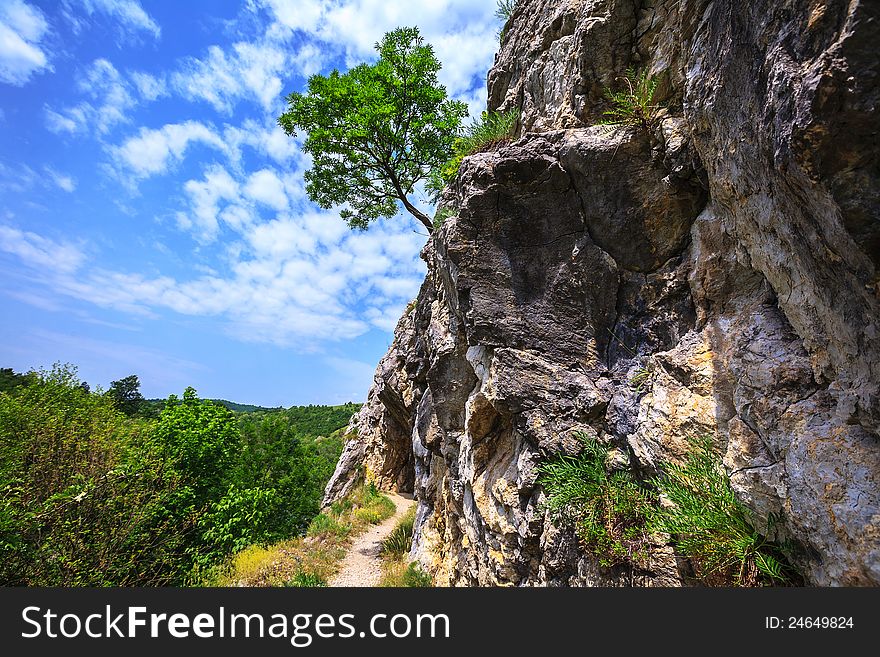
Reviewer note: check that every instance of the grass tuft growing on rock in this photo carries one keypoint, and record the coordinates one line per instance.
(491, 130)
(634, 104)
(711, 527)
(615, 516)
(609, 510)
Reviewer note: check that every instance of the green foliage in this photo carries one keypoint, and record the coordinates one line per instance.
(633, 106)
(442, 215)
(609, 510)
(491, 130)
(310, 580)
(82, 500)
(10, 380)
(89, 496)
(329, 524)
(399, 542)
(415, 577)
(200, 439)
(503, 11)
(241, 517)
(711, 526)
(126, 395)
(279, 452)
(377, 130)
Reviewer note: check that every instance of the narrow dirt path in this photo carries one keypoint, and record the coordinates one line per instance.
(362, 565)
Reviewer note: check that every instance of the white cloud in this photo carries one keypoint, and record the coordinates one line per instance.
(22, 28)
(247, 71)
(267, 139)
(63, 182)
(266, 187)
(463, 32)
(205, 196)
(128, 13)
(152, 152)
(72, 121)
(288, 285)
(112, 102)
(149, 86)
(36, 250)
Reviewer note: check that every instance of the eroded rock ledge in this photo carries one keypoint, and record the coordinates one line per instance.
(733, 254)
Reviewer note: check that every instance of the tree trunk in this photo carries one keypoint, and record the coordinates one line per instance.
(413, 210)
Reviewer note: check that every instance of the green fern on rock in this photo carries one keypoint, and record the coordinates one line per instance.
(634, 104)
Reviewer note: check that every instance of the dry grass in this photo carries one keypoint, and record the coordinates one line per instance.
(318, 554)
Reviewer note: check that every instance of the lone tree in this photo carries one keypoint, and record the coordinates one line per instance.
(126, 394)
(377, 130)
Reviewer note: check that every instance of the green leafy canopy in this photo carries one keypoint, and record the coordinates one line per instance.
(377, 130)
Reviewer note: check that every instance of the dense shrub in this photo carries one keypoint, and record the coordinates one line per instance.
(83, 500)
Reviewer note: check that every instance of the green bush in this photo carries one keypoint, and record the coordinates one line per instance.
(609, 511)
(634, 105)
(328, 525)
(85, 502)
(711, 527)
(415, 577)
(491, 130)
(306, 580)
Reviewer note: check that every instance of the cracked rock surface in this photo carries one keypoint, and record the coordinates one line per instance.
(732, 256)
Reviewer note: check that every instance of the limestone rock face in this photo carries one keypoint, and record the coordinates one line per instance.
(729, 260)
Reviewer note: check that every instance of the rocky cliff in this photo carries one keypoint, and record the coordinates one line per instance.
(730, 259)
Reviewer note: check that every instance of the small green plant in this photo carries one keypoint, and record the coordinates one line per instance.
(441, 216)
(711, 527)
(415, 577)
(399, 542)
(328, 524)
(491, 130)
(306, 580)
(503, 11)
(634, 106)
(639, 379)
(609, 510)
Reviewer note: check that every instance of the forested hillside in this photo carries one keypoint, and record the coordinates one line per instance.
(104, 488)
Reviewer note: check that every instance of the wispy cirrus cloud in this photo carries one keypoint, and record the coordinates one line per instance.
(296, 281)
(38, 251)
(129, 14)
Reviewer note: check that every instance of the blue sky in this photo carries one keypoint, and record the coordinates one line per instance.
(153, 219)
